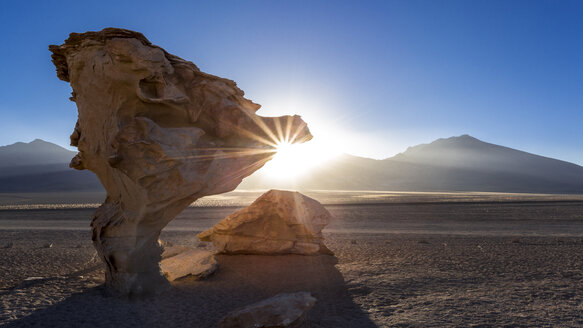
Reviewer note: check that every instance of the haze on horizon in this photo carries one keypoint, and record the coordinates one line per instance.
(372, 77)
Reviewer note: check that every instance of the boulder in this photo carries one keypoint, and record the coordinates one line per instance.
(159, 133)
(191, 262)
(278, 222)
(282, 310)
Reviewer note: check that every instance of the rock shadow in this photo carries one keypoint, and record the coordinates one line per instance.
(240, 280)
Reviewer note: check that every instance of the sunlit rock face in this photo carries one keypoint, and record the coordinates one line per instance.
(188, 262)
(159, 134)
(278, 222)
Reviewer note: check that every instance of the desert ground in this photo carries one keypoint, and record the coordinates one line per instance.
(401, 260)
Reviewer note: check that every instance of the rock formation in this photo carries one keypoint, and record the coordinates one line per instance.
(282, 310)
(159, 134)
(187, 262)
(278, 222)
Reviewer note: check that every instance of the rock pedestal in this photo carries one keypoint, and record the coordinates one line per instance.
(159, 134)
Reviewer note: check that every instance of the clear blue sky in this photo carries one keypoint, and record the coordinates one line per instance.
(380, 75)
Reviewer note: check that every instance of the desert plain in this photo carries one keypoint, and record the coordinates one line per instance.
(401, 260)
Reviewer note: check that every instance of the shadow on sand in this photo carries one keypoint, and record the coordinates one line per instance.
(240, 280)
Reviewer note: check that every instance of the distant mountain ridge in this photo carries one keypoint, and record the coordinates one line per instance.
(33, 153)
(469, 152)
(460, 163)
(41, 166)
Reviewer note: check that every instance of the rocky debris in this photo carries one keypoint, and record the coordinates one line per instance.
(282, 310)
(191, 262)
(159, 133)
(278, 222)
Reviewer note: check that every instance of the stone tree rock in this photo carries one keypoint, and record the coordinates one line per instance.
(159, 134)
(278, 222)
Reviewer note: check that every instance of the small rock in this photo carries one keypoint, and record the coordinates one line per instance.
(516, 241)
(423, 242)
(192, 262)
(353, 242)
(282, 310)
(48, 245)
(33, 278)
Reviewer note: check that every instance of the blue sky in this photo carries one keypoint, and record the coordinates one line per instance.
(378, 76)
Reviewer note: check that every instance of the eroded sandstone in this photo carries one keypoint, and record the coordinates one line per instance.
(278, 222)
(188, 262)
(159, 133)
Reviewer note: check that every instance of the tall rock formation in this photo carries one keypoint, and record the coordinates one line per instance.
(159, 134)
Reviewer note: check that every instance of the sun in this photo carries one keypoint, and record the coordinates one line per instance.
(292, 160)
(288, 161)
(292, 154)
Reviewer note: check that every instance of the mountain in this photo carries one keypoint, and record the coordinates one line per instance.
(41, 166)
(33, 153)
(459, 163)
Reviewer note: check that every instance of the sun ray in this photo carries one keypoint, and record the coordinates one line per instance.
(278, 129)
(241, 172)
(294, 159)
(297, 132)
(261, 124)
(255, 137)
(288, 127)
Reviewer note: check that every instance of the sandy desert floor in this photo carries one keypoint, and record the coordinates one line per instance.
(475, 264)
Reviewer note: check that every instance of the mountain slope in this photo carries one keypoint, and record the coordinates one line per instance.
(37, 152)
(454, 164)
(466, 152)
(468, 163)
(41, 166)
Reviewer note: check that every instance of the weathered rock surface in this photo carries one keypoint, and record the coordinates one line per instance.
(278, 222)
(282, 310)
(169, 251)
(190, 262)
(159, 134)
